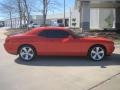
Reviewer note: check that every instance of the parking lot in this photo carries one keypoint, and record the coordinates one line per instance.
(58, 73)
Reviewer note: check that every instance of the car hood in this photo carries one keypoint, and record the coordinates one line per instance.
(95, 38)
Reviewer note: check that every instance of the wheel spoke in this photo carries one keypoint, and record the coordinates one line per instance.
(31, 55)
(25, 49)
(26, 57)
(29, 50)
(101, 52)
(97, 49)
(93, 52)
(22, 53)
(99, 57)
(94, 56)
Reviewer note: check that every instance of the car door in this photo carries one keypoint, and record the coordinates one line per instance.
(50, 41)
(58, 42)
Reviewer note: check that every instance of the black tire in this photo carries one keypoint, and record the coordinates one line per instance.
(27, 53)
(97, 53)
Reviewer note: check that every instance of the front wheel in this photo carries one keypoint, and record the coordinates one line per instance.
(97, 53)
(27, 53)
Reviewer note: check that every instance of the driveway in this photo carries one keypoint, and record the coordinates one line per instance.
(58, 73)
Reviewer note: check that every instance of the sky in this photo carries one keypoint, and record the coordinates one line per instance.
(69, 4)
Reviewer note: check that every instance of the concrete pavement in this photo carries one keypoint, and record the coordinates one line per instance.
(109, 84)
(58, 73)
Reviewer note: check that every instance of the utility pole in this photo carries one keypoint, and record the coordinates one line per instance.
(70, 17)
(11, 26)
(64, 12)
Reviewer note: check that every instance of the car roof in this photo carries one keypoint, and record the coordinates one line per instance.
(36, 30)
(50, 27)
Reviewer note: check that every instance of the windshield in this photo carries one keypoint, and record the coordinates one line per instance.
(74, 33)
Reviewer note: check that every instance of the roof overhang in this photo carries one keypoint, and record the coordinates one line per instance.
(101, 3)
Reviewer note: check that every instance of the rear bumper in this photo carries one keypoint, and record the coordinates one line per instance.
(10, 49)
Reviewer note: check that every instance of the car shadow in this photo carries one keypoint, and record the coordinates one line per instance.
(70, 61)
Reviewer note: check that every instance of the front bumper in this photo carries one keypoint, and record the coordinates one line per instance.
(111, 50)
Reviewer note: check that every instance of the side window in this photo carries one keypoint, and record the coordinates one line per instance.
(54, 34)
(44, 33)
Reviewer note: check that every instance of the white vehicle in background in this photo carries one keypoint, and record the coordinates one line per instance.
(58, 24)
(33, 25)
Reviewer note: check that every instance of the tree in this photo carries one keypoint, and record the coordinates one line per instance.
(25, 7)
(109, 19)
(22, 8)
(7, 9)
(47, 6)
(27, 11)
(19, 11)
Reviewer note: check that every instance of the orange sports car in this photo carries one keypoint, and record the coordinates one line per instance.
(57, 41)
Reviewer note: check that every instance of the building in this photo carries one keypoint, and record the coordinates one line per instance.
(59, 18)
(98, 14)
(86, 14)
(2, 24)
(37, 19)
(16, 21)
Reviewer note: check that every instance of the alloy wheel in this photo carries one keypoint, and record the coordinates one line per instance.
(27, 53)
(97, 53)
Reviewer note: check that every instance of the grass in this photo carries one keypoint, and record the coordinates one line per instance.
(15, 31)
(111, 35)
(117, 42)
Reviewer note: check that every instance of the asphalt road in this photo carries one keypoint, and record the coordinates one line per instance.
(58, 73)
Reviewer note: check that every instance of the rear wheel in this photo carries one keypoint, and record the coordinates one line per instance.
(27, 53)
(97, 53)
